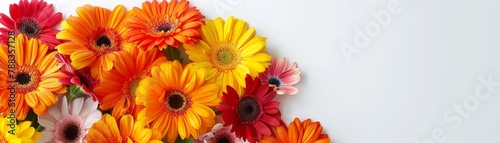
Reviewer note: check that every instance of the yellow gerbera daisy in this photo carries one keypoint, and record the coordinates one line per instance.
(35, 75)
(117, 89)
(177, 100)
(21, 133)
(230, 51)
(95, 38)
(126, 130)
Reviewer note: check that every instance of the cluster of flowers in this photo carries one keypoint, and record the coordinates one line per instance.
(119, 76)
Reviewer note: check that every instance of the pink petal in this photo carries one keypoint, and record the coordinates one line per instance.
(289, 89)
(280, 66)
(290, 80)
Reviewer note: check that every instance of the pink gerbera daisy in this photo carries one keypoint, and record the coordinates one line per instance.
(282, 76)
(80, 78)
(35, 19)
(220, 134)
(69, 123)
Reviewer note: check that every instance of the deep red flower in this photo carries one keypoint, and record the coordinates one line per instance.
(35, 19)
(252, 114)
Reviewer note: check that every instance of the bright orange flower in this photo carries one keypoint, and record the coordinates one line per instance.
(162, 24)
(95, 38)
(35, 77)
(117, 89)
(297, 132)
(177, 100)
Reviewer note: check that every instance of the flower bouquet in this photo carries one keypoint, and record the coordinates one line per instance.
(159, 72)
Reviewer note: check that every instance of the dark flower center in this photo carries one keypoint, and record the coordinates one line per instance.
(176, 101)
(222, 139)
(23, 78)
(164, 27)
(29, 28)
(103, 41)
(248, 109)
(274, 81)
(71, 132)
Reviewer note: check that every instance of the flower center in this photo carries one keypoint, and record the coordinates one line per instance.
(23, 78)
(103, 41)
(85, 78)
(225, 57)
(27, 79)
(164, 27)
(69, 129)
(274, 81)
(176, 102)
(29, 28)
(248, 109)
(223, 138)
(71, 132)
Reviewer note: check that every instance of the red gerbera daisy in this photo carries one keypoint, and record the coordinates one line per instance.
(252, 114)
(80, 78)
(35, 19)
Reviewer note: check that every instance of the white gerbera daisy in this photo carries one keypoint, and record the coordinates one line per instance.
(69, 123)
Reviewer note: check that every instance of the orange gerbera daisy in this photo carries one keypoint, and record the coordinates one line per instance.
(35, 76)
(95, 38)
(164, 24)
(125, 130)
(297, 132)
(177, 100)
(117, 89)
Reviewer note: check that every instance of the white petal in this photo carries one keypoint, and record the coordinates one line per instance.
(47, 136)
(64, 106)
(47, 123)
(56, 113)
(217, 127)
(76, 106)
(87, 107)
(93, 117)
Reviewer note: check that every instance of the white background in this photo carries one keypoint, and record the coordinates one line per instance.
(398, 88)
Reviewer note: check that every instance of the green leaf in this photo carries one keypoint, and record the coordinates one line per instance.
(172, 53)
(75, 91)
(179, 140)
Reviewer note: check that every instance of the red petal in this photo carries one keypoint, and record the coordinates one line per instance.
(262, 128)
(7, 21)
(270, 120)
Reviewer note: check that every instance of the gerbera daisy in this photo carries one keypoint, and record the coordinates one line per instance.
(80, 78)
(34, 19)
(35, 77)
(69, 123)
(282, 76)
(177, 100)
(117, 89)
(95, 38)
(230, 51)
(162, 24)
(220, 134)
(253, 113)
(297, 132)
(125, 130)
(23, 132)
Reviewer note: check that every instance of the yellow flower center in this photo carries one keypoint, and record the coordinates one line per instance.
(27, 79)
(225, 57)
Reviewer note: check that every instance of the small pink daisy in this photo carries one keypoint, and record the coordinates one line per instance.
(282, 76)
(69, 123)
(35, 19)
(220, 134)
